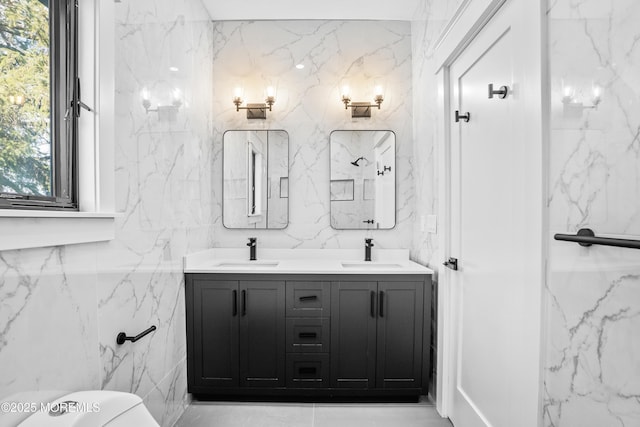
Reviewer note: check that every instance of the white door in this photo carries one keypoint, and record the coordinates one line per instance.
(487, 229)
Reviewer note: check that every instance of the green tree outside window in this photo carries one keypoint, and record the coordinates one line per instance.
(25, 110)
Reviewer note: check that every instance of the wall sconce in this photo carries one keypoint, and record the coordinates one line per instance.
(255, 110)
(362, 109)
(166, 113)
(573, 108)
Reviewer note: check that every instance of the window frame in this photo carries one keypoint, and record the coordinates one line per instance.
(94, 221)
(64, 87)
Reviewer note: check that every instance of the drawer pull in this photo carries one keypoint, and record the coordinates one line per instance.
(307, 335)
(309, 298)
(307, 370)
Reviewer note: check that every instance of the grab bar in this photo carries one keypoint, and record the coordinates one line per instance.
(586, 237)
(122, 337)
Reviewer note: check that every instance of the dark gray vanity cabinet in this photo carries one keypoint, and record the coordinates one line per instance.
(308, 335)
(235, 333)
(377, 334)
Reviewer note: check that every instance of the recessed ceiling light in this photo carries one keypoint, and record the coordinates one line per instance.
(173, 69)
(300, 66)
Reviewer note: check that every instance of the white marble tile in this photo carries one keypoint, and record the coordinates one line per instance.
(591, 371)
(431, 18)
(48, 321)
(61, 308)
(308, 107)
(168, 400)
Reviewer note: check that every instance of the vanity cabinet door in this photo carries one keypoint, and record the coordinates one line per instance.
(212, 332)
(399, 335)
(262, 333)
(353, 334)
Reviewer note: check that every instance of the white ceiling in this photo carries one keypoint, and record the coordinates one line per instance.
(221, 10)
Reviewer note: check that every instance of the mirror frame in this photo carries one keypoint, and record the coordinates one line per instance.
(263, 184)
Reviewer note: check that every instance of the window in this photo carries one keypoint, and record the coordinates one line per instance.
(39, 104)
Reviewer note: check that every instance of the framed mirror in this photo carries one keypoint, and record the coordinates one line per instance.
(363, 179)
(255, 179)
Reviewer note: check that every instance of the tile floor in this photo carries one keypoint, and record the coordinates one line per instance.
(236, 414)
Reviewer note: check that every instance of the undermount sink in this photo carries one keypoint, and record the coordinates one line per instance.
(370, 265)
(249, 264)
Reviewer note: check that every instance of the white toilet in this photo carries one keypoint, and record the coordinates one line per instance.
(93, 409)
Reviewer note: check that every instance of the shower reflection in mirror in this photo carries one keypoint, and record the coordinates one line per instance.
(255, 185)
(362, 183)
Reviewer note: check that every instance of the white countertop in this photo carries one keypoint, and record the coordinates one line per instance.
(303, 261)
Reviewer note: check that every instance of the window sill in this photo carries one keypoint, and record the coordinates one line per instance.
(22, 229)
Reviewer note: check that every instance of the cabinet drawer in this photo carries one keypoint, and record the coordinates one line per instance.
(307, 370)
(308, 299)
(308, 335)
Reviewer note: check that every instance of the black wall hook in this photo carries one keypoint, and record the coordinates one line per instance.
(502, 92)
(122, 337)
(464, 117)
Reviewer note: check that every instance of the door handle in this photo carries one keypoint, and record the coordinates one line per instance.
(235, 302)
(373, 304)
(244, 302)
(309, 298)
(451, 263)
(381, 304)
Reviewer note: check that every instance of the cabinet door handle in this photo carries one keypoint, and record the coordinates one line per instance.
(307, 335)
(381, 304)
(373, 304)
(309, 298)
(235, 302)
(244, 302)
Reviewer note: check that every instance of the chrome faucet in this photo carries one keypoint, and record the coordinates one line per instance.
(367, 249)
(253, 244)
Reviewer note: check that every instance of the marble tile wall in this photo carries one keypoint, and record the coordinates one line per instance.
(592, 374)
(309, 107)
(62, 307)
(430, 20)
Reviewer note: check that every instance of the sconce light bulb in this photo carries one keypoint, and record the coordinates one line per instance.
(270, 98)
(379, 95)
(567, 94)
(597, 94)
(176, 95)
(146, 98)
(346, 92)
(271, 92)
(238, 92)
